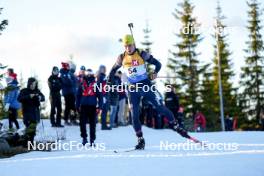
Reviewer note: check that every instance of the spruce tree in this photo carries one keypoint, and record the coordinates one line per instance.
(2, 91)
(252, 73)
(209, 105)
(147, 44)
(184, 63)
(3, 23)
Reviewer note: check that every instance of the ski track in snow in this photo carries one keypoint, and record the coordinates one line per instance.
(246, 159)
(138, 154)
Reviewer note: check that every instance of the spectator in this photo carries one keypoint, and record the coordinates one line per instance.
(87, 99)
(11, 105)
(228, 123)
(68, 91)
(12, 74)
(30, 99)
(199, 122)
(55, 85)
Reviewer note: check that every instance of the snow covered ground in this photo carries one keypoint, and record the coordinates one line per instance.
(243, 155)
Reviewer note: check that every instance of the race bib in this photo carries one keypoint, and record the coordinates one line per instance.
(136, 73)
(134, 67)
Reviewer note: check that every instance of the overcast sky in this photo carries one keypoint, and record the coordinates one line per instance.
(42, 33)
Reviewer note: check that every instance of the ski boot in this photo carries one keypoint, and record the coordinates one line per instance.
(92, 144)
(74, 122)
(67, 123)
(84, 141)
(141, 144)
(105, 127)
(59, 126)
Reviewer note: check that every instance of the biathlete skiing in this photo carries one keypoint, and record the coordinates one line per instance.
(133, 61)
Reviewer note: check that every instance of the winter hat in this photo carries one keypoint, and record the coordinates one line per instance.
(10, 70)
(55, 69)
(30, 81)
(90, 71)
(82, 68)
(65, 65)
(128, 40)
(102, 67)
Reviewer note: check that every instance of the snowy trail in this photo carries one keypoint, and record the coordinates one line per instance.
(246, 160)
(136, 154)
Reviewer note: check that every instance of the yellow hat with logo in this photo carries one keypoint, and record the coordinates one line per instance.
(128, 40)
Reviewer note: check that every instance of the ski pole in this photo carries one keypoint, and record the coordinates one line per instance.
(57, 133)
(130, 25)
(43, 130)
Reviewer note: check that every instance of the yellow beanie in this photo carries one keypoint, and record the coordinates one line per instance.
(128, 40)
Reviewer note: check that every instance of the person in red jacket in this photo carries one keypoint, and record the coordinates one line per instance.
(199, 122)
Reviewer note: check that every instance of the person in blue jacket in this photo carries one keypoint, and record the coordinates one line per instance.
(69, 92)
(11, 105)
(89, 103)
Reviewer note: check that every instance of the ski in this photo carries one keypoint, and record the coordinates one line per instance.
(196, 141)
(125, 151)
(185, 134)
